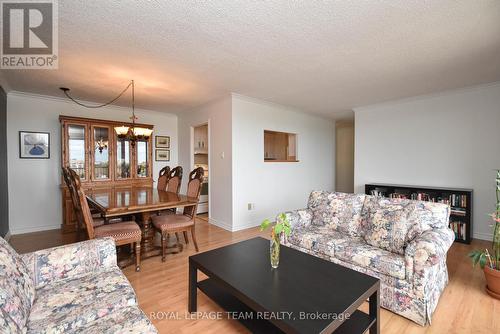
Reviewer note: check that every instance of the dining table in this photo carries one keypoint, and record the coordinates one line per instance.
(140, 202)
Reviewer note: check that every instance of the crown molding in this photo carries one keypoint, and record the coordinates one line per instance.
(68, 101)
(427, 96)
(280, 106)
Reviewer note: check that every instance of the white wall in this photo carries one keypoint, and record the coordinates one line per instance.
(272, 186)
(218, 115)
(344, 156)
(450, 139)
(34, 193)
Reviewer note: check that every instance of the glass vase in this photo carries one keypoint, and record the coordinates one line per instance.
(275, 252)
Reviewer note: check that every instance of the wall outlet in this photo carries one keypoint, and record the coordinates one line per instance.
(251, 206)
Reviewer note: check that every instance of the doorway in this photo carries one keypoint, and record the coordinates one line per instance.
(201, 158)
(344, 156)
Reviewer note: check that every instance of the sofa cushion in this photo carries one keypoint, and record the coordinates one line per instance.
(426, 216)
(126, 320)
(312, 238)
(71, 304)
(340, 211)
(320, 239)
(386, 222)
(366, 256)
(17, 289)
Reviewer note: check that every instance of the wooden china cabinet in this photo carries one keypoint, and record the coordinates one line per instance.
(92, 148)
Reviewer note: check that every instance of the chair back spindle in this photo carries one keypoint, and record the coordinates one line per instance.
(194, 190)
(174, 180)
(163, 178)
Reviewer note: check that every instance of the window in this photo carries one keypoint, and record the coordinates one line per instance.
(280, 146)
(122, 159)
(101, 153)
(142, 159)
(76, 149)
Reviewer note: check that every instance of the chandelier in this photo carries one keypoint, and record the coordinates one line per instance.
(132, 133)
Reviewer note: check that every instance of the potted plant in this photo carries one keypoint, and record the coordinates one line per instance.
(282, 227)
(490, 263)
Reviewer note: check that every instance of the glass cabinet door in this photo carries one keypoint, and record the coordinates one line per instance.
(101, 143)
(123, 165)
(142, 159)
(76, 149)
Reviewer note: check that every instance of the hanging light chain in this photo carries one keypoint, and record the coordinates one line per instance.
(66, 92)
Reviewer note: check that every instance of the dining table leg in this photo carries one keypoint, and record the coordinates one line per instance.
(147, 232)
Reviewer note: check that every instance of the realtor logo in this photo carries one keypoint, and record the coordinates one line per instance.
(29, 34)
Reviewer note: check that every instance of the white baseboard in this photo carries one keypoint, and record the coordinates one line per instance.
(35, 229)
(7, 236)
(245, 226)
(482, 236)
(220, 224)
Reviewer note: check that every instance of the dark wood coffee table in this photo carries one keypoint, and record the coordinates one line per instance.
(305, 294)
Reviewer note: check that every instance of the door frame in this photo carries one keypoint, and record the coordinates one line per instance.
(209, 150)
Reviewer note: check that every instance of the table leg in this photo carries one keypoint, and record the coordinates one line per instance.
(193, 286)
(374, 309)
(147, 234)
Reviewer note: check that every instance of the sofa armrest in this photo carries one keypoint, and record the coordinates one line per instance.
(71, 261)
(299, 218)
(430, 247)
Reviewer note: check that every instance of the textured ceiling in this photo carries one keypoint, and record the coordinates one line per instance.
(321, 57)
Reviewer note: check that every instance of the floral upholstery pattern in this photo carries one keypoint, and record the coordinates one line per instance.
(322, 240)
(7, 325)
(126, 320)
(411, 282)
(341, 211)
(66, 262)
(299, 218)
(430, 247)
(17, 291)
(71, 304)
(386, 221)
(70, 289)
(427, 216)
(367, 256)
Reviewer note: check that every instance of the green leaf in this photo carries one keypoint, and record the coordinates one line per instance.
(482, 260)
(265, 224)
(278, 229)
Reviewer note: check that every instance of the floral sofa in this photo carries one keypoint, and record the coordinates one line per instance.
(76, 288)
(401, 242)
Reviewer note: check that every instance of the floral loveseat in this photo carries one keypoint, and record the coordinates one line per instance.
(401, 242)
(76, 288)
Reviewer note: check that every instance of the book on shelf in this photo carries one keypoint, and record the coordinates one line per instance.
(458, 211)
(460, 229)
(377, 193)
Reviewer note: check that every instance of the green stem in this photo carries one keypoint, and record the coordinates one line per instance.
(496, 232)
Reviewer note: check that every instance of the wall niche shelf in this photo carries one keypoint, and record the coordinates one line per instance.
(280, 146)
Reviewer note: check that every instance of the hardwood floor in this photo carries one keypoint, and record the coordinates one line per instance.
(161, 287)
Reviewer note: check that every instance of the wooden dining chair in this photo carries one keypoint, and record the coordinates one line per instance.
(185, 222)
(123, 233)
(72, 181)
(170, 180)
(97, 219)
(163, 178)
(174, 180)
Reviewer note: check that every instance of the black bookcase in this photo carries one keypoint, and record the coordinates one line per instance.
(459, 199)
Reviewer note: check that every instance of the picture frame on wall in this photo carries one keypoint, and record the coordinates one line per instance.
(162, 155)
(34, 145)
(162, 142)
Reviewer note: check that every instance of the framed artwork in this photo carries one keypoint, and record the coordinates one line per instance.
(162, 155)
(34, 145)
(162, 142)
